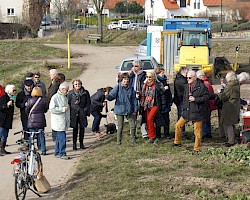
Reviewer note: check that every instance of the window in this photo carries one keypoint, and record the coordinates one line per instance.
(195, 4)
(183, 3)
(10, 12)
(199, 5)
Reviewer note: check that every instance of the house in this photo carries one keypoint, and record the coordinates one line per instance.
(11, 11)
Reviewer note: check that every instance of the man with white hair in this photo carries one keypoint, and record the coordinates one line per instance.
(53, 87)
(195, 101)
(60, 119)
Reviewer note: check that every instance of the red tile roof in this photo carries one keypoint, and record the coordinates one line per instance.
(170, 4)
(211, 2)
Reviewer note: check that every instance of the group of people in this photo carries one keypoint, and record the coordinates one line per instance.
(138, 93)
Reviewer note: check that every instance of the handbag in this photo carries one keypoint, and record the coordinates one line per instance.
(37, 101)
(41, 183)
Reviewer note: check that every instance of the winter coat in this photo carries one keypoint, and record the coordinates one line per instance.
(6, 112)
(97, 100)
(21, 98)
(79, 108)
(211, 91)
(179, 84)
(60, 118)
(54, 86)
(41, 85)
(36, 119)
(231, 103)
(141, 78)
(126, 102)
(197, 110)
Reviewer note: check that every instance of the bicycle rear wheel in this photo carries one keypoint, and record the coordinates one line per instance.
(20, 187)
(37, 167)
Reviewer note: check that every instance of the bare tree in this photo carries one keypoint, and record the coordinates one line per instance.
(99, 4)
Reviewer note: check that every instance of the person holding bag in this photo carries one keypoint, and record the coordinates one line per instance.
(35, 108)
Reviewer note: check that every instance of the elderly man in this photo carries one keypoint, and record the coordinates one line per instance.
(60, 119)
(21, 99)
(136, 78)
(195, 101)
(52, 90)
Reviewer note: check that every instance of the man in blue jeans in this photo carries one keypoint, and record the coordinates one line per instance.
(60, 119)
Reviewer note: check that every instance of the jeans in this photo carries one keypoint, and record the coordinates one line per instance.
(60, 144)
(206, 127)
(41, 143)
(197, 132)
(179, 114)
(25, 128)
(4, 132)
(97, 120)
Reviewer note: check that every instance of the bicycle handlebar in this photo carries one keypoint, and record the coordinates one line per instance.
(18, 132)
(29, 132)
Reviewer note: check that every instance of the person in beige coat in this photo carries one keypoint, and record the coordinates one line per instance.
(60, 119)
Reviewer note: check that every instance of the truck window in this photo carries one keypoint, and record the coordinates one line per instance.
(197, 38)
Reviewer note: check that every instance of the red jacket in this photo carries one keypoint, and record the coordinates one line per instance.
(2, 92)
(211, 90)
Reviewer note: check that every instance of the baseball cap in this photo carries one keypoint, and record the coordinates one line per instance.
(28, 82)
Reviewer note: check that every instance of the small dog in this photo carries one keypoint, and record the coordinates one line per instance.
(110, 128)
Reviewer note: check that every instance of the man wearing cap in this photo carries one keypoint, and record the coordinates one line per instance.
(21, 99)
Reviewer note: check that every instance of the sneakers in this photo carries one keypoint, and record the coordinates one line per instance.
(65, 157)
(228, 144)
(57, 156)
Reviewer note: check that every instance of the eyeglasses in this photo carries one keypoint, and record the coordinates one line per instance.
(37, 77)
(149, 76)
(189, 77)
(136, 66)
(14, 90)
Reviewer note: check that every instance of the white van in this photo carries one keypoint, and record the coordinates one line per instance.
(123, 24)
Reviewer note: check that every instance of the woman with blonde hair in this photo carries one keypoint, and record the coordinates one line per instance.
(152, 101)
(36, 107)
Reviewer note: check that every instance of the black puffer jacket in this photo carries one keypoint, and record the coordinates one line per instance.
(179, 84)
(6, 113)
(196, 110)
(21, 99)
(141, 78)
(79, 107)
(36, 119)
(97, 100)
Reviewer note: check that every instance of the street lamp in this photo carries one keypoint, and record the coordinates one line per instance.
(221, 18)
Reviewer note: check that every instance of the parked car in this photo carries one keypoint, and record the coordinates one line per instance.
(81, 27)
(133, 26)
(45, 22)
(112, 25)
(123, 24)
(142, 27)
(148, 64)
(142, 48)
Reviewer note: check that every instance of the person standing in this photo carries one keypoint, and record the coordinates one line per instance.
(60, 119)
(230, 107)
(136, 78)
(195, 101)
(206, 124)
(79, 103)
(7, 99)
(97, 104)
(36, 107)
(39, 83)
(125, 106)
(152, 101)
(52, 89)
(179, 85)
(167, 102)
(21, 99)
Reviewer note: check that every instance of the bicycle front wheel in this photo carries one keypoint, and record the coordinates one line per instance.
(20, 187)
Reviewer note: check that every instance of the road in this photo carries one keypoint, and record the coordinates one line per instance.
(100, 72)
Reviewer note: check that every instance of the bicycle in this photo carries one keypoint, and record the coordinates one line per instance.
(27, 166)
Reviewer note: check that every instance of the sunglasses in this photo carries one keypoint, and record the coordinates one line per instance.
(37, 77)
(149, 76)
(136, 66)
(14, 90)
(189, 77)
(77, 84)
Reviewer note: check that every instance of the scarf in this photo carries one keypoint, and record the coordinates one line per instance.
(148, 95)
(191, 87)
(27, 93)
(78, 94)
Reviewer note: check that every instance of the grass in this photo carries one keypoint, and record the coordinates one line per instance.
(157, 171)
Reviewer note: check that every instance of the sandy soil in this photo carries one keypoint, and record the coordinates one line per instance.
(101, 72)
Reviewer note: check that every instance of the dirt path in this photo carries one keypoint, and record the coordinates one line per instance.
(100, 72)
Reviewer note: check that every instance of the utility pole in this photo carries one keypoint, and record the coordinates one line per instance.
(221, 18)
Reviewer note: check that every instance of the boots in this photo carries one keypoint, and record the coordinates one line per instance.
(81, 137)
(82, 145)
(74, 147)
(2, 145)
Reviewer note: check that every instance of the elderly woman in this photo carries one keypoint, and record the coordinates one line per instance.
(79, 103)
(230, 107)
(35, 108)
(152, 101)
(7, 99)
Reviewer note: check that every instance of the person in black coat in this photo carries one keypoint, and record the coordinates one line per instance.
(36, 116)
(79, 103)
(21, 99)
(179, 83)
(162, 117)
(7, 98)
(97, 104)
(195, 103)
